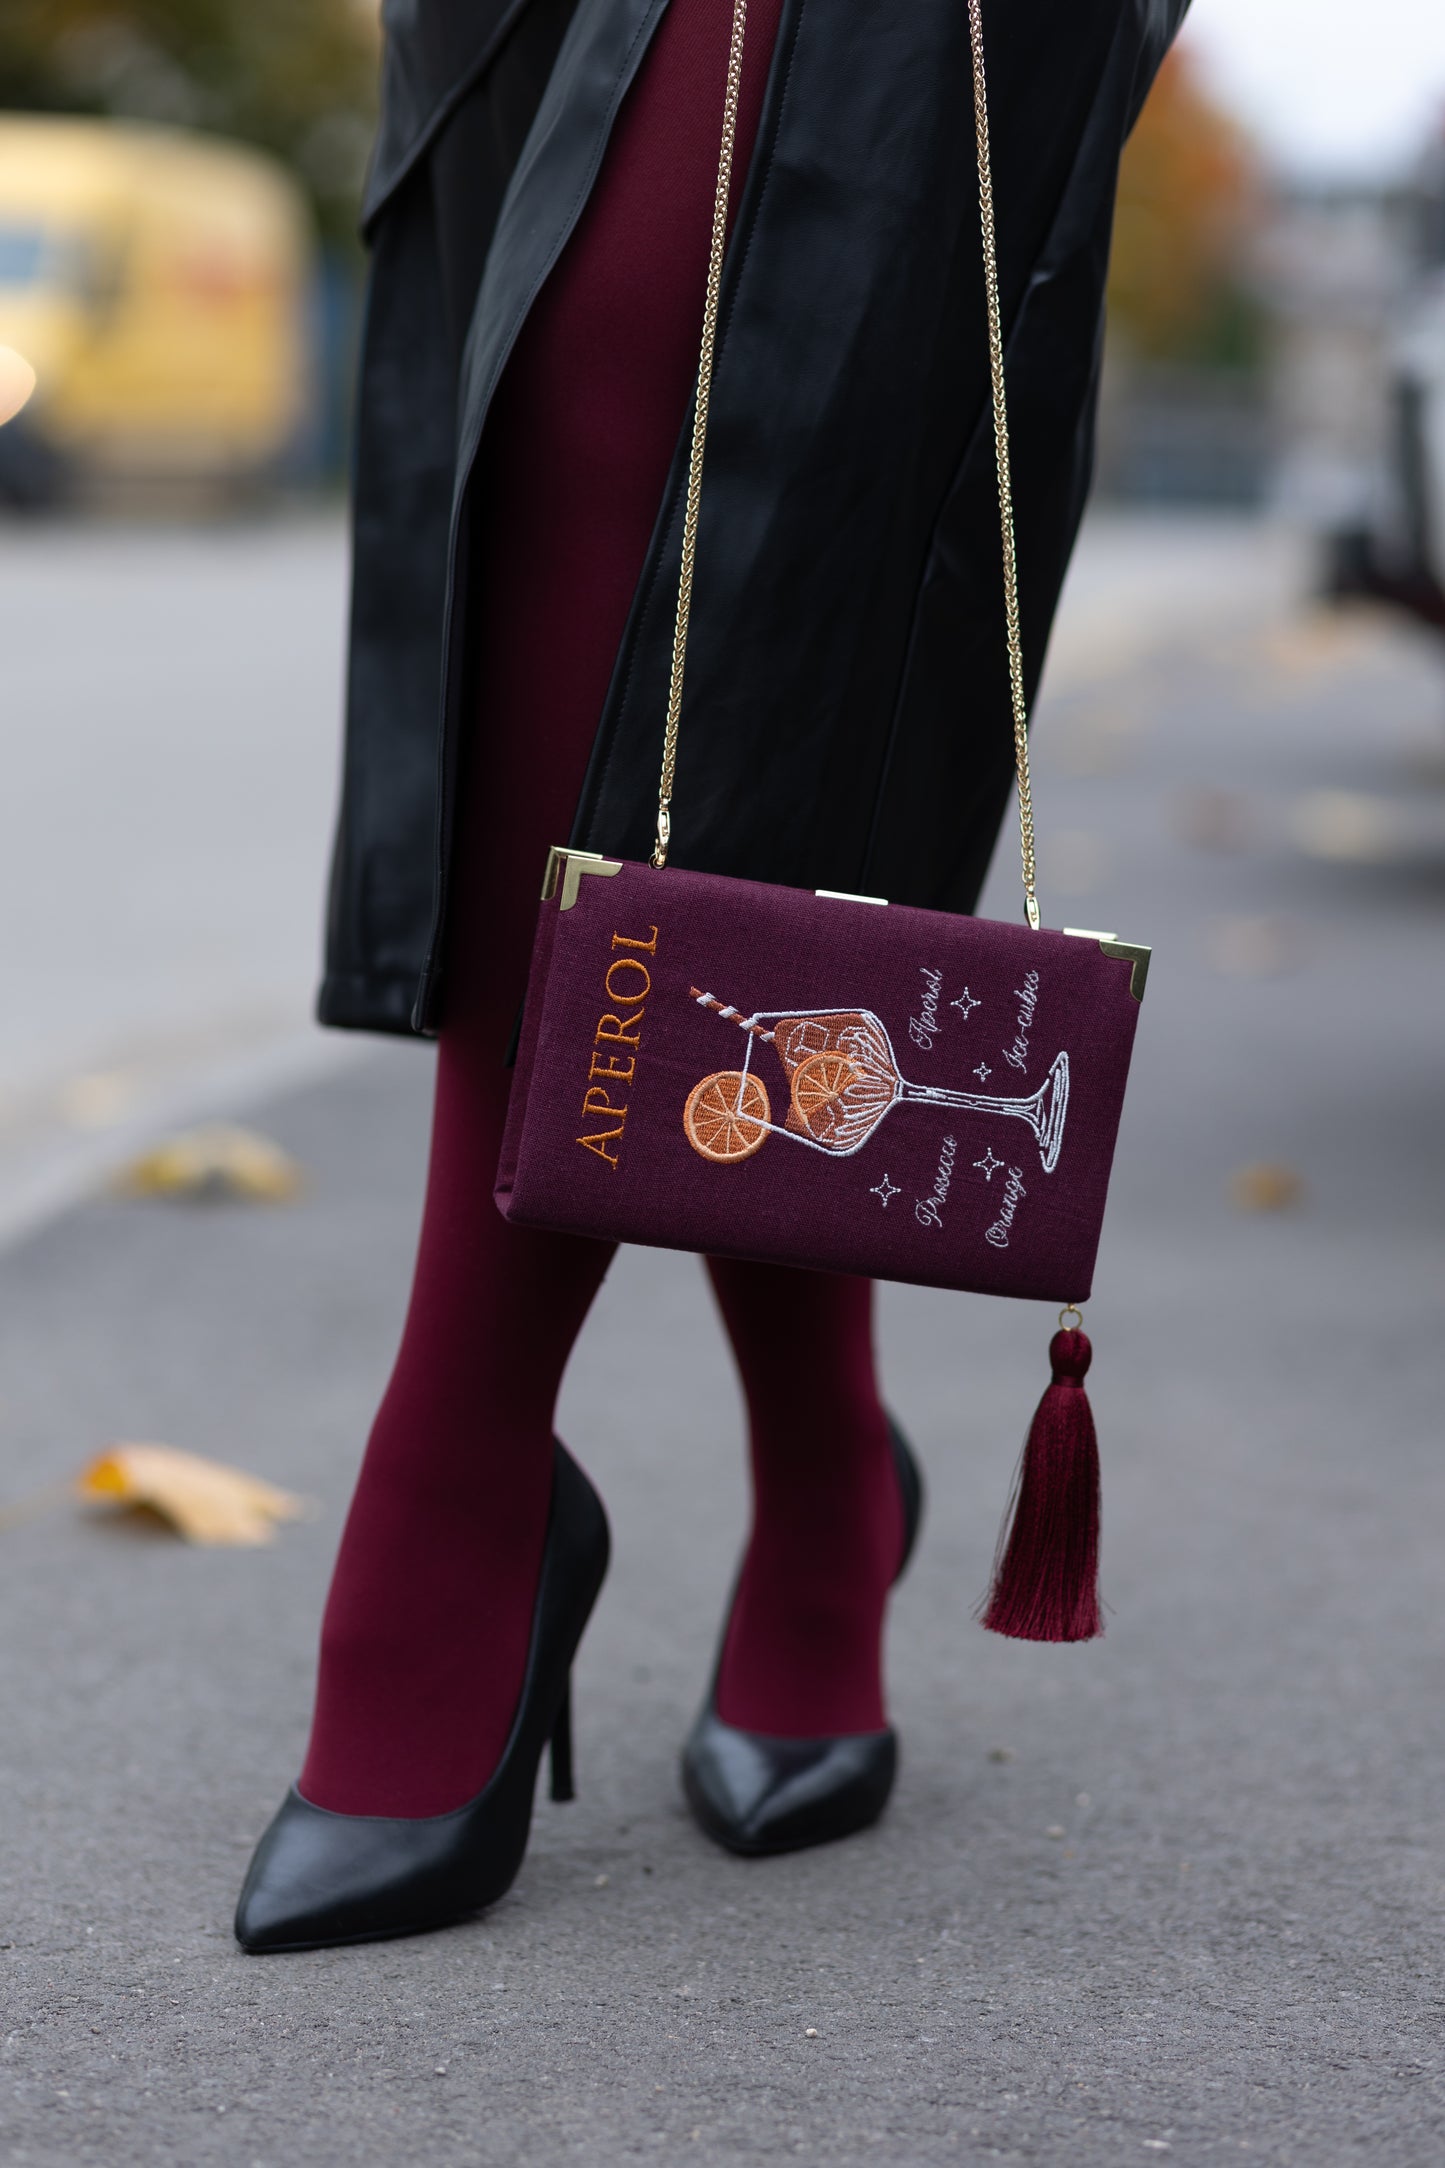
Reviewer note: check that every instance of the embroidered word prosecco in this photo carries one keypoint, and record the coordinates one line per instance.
(928, 1211)
(627, 983)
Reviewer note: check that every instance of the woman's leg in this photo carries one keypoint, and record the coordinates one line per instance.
(803, 1653)
(428, 1622)
(430, 1610)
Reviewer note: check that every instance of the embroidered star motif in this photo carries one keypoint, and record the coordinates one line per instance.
(989, 1164)
(885, 1189)
(983, 1071)
(966, 1002)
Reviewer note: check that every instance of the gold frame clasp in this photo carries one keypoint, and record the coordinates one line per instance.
(572, 865)
(1132, 953)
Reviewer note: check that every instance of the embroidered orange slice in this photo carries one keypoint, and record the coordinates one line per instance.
(818, 1083)
(726, 1115)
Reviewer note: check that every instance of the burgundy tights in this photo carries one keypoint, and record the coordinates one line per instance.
(427, 1624)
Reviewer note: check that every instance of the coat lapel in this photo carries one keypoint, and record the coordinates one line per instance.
(548, 192)
(432, 56)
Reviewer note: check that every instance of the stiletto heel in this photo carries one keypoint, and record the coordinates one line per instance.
(320, 1878)
(754, 1793)
(562, 1785)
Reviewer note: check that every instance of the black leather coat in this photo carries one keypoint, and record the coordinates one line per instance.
(847, 715)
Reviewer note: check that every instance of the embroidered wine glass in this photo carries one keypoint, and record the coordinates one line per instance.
(843, 1079)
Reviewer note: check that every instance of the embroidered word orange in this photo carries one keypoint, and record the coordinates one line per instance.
(628, 983)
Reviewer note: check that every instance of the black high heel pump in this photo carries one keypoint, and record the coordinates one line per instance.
(320, 1878)
(754, 1794)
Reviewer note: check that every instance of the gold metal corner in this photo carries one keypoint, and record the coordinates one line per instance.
(1136, 957)
(572, 865)
(1111, 945)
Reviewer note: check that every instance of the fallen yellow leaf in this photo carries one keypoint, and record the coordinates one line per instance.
(1265, 1187)
(204, 1501)
(217, 1160)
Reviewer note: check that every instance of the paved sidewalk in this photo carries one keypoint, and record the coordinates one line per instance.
(1177, 1895)
(168, 741)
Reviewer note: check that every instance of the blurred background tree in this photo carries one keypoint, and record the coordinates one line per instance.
(295, 77)
(1180, 288)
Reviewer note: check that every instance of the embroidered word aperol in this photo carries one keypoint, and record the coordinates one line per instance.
(627, 983)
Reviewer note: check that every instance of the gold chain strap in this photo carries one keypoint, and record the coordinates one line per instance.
(1001, 461)
(699, 429)
(1000, 438)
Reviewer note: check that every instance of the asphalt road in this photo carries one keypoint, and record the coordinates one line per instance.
(169, 702)
(1175, 1895)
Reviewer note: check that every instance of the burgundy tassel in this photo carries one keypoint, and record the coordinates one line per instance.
(1046, 1574)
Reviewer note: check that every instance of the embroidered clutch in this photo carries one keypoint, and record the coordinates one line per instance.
(720, 1065)
(834, 1081)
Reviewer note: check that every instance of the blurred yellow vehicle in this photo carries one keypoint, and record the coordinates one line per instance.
(159, 284)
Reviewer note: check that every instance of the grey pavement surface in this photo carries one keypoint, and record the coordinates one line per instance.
(168, 722)
(1175, 1895)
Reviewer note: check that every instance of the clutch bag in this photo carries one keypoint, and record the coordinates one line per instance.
(835, 1081)
(818, 1079)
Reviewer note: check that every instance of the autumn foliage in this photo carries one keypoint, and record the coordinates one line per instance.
(1188, 192)
(296, 77)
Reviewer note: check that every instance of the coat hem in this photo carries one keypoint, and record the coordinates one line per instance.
(369, 1001)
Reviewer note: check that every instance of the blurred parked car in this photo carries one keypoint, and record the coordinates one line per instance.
(160, 285)
(1398, 552)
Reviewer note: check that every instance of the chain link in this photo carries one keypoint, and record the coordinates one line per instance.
(699, 429)
(1000, 438)
(1001, 460)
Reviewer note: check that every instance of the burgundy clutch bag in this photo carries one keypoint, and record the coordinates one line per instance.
(837, 1082)
(718, 1065)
